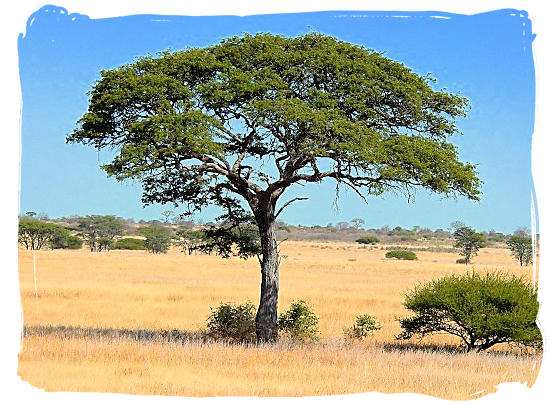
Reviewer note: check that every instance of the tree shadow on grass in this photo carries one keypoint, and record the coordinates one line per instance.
(62, 331)
(449, 349)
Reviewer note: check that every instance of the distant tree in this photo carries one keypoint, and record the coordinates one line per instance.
(189, 239)
(357, 222)
(342, 225)
(482, 310)
(523, 232)
(168, 216)
(63, 239)
(198, 126)
(35, 234)
(522, 248)
(469, 242)
(457, 224)
(30, 213)
(100, 231)
(157, 238)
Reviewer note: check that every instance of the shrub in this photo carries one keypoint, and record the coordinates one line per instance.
(74, 243)
(368, 240)
(482, 310)
(130, 244)
(232, 323)
(61, 238)
(364, 326)
(461, 261)
(299, 322)
(401, 255)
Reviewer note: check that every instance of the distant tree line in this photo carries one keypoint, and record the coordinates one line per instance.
(106, 232)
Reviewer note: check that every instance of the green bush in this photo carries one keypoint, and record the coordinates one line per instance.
(232, 323)
(63, 239)
(461, 261)
(299, 322)
(401, 255)
(130, 244)
(368, 240)
(364, 326)
(74, 243)
(482, 310)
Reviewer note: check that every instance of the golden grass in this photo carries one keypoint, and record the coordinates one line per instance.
(134, 290)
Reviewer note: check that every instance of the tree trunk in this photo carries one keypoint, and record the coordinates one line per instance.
(266, 318)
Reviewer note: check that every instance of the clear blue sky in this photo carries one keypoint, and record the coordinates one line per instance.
(486, 58)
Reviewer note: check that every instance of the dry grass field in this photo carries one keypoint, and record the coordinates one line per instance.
(95, 323)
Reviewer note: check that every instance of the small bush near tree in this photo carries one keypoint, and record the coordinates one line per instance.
(232, 323)
(522, 248)
(461, 261)
(368, 240)
(130, 244)
(299, 322)
(364, 326)
(402, 255)
(468, 241)
(482, 310)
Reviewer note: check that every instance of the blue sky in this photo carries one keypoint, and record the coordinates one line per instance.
(486, 58)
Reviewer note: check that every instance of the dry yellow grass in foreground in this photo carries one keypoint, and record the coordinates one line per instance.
(129, 291)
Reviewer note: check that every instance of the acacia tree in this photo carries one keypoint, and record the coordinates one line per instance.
(522, 248)
(100, 231)
(239, 123)
(469, 242)
(157, 238)
(35, 234)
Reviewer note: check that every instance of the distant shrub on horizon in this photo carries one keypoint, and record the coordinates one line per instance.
(130, 244)
(402, 255)
(368, 240)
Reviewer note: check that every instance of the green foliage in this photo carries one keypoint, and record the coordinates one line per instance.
(522, 248)
(299, 322)
(130, 244)
(199, 126)
(468, 241)
(157, 238)
(239, 240)
(401, 255)
(169, 117)
(461, 261)
(232, 323)
(364, 326)
(100, 231)
(35, 234)
(190, 240)
(482, 310)
(62, 238)
(368, 240)
(285, 229)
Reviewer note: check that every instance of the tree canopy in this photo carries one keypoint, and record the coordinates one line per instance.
(237, 123)
(469, 242)
(188, 123)
(522, 248)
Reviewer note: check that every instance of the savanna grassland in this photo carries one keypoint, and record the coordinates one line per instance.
(127, 321)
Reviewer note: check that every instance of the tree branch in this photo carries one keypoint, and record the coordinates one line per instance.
(288, 203)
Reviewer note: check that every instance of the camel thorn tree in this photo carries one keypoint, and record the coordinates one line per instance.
(238, 123)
